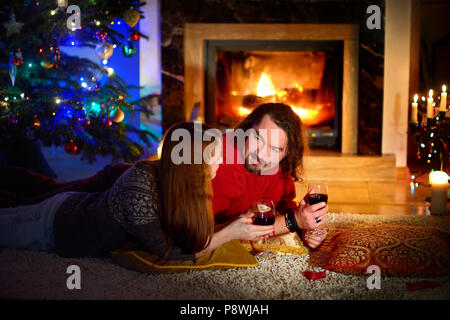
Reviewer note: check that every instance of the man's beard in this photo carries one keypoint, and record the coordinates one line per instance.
(253, 167)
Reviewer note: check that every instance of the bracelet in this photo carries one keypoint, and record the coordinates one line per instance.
(288, 222)
(293, 222)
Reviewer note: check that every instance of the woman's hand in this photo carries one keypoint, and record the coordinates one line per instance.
(243, 229)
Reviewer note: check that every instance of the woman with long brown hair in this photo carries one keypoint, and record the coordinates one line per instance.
(163, 205)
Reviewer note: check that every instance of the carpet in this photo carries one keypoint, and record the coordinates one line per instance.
(36, 275)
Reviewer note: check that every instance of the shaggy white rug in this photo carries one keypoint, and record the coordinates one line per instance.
(35, 275)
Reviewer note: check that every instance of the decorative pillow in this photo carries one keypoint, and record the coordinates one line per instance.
(229, 255)
(396, 249)
(285, 244)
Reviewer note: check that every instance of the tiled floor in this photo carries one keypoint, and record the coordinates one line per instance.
(377, 197)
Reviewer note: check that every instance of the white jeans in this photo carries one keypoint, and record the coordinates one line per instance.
(31, 226)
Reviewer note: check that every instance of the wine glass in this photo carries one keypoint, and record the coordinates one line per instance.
(264, 215)
(317, 192)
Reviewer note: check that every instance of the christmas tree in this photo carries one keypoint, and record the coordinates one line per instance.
(52, 97)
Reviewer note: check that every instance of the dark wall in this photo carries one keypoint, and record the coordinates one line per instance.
(174, 14)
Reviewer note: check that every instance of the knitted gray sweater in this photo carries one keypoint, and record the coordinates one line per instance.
(96, 223)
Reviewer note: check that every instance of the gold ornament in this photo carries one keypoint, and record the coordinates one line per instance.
(117, 115)
(63, 3)
(104, 50)
(131, 17)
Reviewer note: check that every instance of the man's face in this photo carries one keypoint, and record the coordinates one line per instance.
(266, 147)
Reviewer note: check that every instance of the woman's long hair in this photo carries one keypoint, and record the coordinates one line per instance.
(284, 117)
(187, 216)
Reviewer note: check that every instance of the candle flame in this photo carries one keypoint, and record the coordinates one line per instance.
(438, 177)
(444, 88)
(416, 97)
(430, 93)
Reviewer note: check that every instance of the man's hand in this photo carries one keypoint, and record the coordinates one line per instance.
(306, 215)
(312, 242)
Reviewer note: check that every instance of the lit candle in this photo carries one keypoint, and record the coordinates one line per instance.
(414, 109)
(439, 186)
(443, 106)
(430, 104)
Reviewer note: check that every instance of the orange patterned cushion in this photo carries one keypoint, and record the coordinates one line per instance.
(399, 250)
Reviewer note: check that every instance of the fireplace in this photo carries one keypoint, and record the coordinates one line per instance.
(215, 42)
(307, 75)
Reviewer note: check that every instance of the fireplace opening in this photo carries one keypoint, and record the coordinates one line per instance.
(307, 75)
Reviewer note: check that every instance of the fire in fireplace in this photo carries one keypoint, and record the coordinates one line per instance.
(307, 75)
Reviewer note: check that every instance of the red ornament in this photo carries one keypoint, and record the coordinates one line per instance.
(135, 35)
(101, 35)
(108, 122)
(71, 147)
(18, 59)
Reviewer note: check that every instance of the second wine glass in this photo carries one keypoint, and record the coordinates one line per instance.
(264, 215)
(317, 192)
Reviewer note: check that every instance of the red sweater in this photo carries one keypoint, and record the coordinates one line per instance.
(235, 189)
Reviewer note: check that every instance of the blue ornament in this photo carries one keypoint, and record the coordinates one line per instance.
(12, 68)
(129, 49)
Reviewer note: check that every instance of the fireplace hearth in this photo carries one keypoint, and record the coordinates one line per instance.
(208, 43)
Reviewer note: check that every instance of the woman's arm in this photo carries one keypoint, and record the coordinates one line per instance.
(240, 229)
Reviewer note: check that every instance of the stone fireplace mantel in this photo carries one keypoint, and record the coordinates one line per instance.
(197, 33)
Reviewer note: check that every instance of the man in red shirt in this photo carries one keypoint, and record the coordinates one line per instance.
(266, 165)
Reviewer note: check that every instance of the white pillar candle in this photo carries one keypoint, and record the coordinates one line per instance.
(443, 106)
(439, 187)
(430, 101)
(414, 109)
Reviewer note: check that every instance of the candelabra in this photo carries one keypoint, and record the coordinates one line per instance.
(430, 131)
(431, 135)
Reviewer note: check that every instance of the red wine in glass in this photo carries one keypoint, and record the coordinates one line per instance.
(316, 198)
(264, 215)
(264, 218)
(318, 192)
